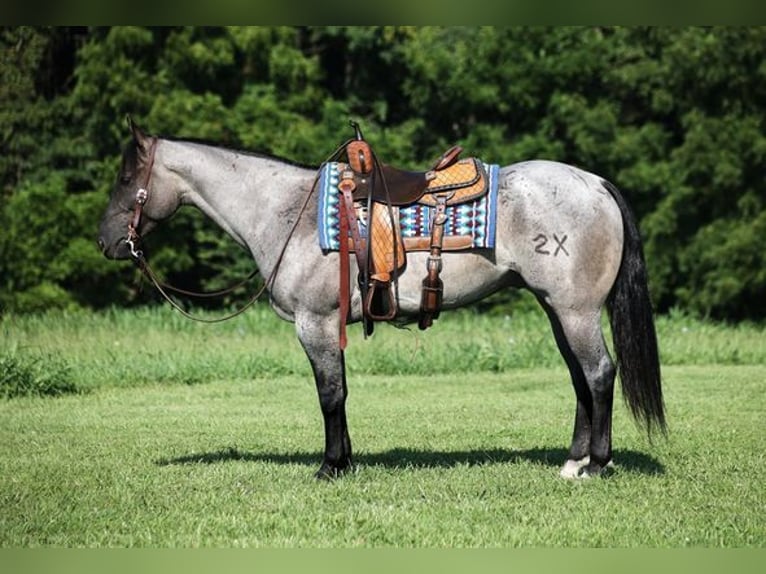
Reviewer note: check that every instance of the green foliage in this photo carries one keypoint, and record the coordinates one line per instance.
(131, 348)
(45, 261)
(23, 374)
(725, 265)
(673, 116)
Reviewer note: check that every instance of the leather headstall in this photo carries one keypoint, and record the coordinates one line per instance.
(142, 195)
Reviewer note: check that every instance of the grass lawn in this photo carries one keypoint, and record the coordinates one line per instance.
(454, 460)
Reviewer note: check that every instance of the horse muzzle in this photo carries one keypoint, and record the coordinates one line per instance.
(119, 249)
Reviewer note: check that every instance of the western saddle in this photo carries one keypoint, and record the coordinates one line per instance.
(370, 194)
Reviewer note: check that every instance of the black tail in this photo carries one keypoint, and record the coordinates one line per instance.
(635, 339)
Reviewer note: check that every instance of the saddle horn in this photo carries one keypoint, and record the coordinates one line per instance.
(357, 130)
(358, 151)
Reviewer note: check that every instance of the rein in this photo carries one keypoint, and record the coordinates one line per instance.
(133, 240)
(163, 288)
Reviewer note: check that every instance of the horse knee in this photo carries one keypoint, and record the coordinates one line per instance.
(331, 398)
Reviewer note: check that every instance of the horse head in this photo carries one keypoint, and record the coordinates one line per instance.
(141, 197)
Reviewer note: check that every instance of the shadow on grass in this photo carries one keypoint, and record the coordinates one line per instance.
(401, 458)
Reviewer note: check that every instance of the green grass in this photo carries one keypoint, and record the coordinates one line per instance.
(198, 435)
(149, 346)
(34, 375)
(458, 461)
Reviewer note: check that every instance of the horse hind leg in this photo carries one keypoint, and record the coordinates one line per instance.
(580, 339)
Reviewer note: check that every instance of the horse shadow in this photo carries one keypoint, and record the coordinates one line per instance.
(405, 458)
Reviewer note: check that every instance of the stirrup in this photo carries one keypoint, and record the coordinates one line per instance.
(389, 311)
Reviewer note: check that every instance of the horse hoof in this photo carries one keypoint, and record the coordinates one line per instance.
(326, 474)
(330, 472)
(573, 468)
(596, 469)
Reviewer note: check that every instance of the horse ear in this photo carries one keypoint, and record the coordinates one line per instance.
(139, 137)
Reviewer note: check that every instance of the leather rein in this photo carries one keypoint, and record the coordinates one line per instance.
(133, 240)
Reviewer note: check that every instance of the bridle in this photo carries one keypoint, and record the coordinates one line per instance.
(142, 195)
(133, 237)
(133, 240)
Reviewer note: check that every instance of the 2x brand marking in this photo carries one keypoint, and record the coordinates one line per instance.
(541, 241)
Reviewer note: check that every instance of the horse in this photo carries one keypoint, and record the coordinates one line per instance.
(565, 234)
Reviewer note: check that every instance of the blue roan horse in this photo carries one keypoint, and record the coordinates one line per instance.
(565, 234)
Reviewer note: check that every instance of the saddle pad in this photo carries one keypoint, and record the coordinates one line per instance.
(474, 219)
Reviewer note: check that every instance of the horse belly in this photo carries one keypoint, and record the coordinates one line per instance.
(467, 277)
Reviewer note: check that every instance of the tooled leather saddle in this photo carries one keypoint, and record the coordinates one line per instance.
(371, 194)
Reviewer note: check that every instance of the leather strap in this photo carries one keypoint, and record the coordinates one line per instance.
(430, 304)
(346, 187)
(348, 222)
(142, 196)
(345, 296)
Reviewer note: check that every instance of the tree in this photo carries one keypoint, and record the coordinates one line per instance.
(672, 116)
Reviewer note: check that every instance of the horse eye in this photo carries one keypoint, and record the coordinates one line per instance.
(125, 179)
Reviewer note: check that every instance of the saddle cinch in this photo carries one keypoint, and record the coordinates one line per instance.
(371, 194)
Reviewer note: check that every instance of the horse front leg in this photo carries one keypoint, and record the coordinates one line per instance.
(332, 390)
(319, 337)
